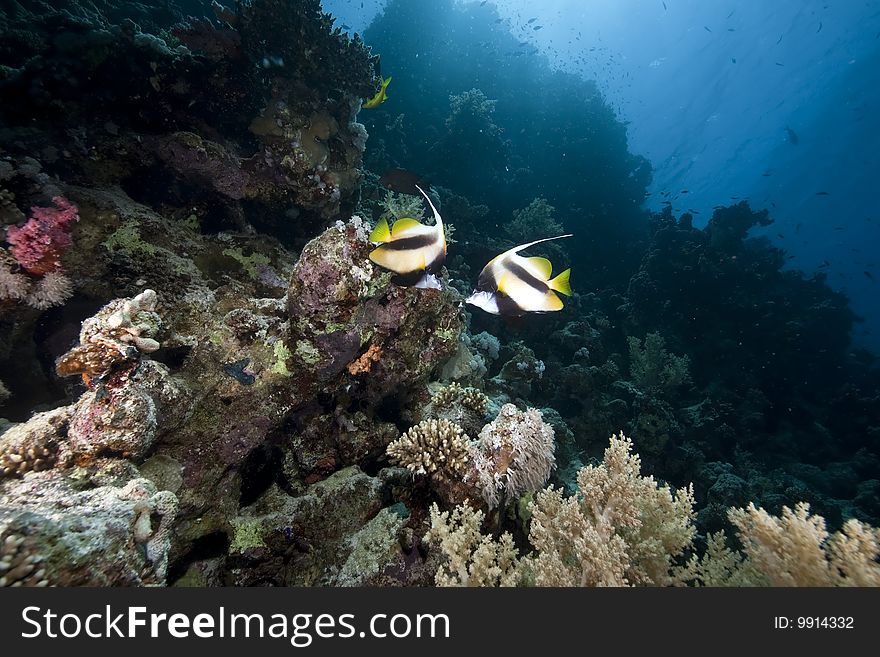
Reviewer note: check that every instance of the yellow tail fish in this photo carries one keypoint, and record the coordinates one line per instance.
(380, 97)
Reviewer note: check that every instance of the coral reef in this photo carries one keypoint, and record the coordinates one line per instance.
(620, 529)
(118, 334)
(56, 532)
(36, 249)
(236, 107)
(177, 197)
(469, 558)
(513, 455)
(652, 368)
(442, 451)
(793, 549)
(32, 446)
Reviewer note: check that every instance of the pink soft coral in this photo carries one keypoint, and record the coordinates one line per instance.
(38, 245)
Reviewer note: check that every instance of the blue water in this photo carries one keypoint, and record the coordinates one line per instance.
(707, 90)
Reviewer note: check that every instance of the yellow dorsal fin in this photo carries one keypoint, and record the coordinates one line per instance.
(403, 226)
(541, 265)
(561, 283)
(381, 232)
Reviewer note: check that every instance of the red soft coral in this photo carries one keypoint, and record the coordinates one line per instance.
(38, 245)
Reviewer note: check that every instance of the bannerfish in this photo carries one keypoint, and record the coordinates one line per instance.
(380, 97)
(412, 250)
(513, 285)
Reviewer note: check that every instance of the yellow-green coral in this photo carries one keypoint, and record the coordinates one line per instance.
(248, 534)
(470, 558)
(127, 238)
(307, 352)
(249, 263)
(654, 368)
(398, 206)
(282, 354)
(533, 221)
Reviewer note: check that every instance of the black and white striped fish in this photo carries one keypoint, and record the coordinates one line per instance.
(412, 250)
(513, 285)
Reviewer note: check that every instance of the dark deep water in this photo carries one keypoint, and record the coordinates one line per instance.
(702, 257)
(714, 164)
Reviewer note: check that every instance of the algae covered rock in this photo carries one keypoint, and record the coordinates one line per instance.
(345, 315)
(55, 532)
(300, 540)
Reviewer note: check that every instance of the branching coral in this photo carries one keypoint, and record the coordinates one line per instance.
(470, 398)
(447, 395)
(437, 448)
(472, 108)
(653, 368)
(515, 454)
(474, 399)
(470, 558)
(534, 221)
(619, 529)
(797, 550)
(398, 206)
(38, 245)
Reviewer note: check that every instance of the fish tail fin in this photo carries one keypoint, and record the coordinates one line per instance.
(561, 283)
(381, 233)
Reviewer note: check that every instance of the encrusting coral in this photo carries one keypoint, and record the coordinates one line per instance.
(119, 333)
(32, 446)
(18, 565)
(52, 532)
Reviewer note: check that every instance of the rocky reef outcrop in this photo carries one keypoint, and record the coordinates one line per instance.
(266, 398)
